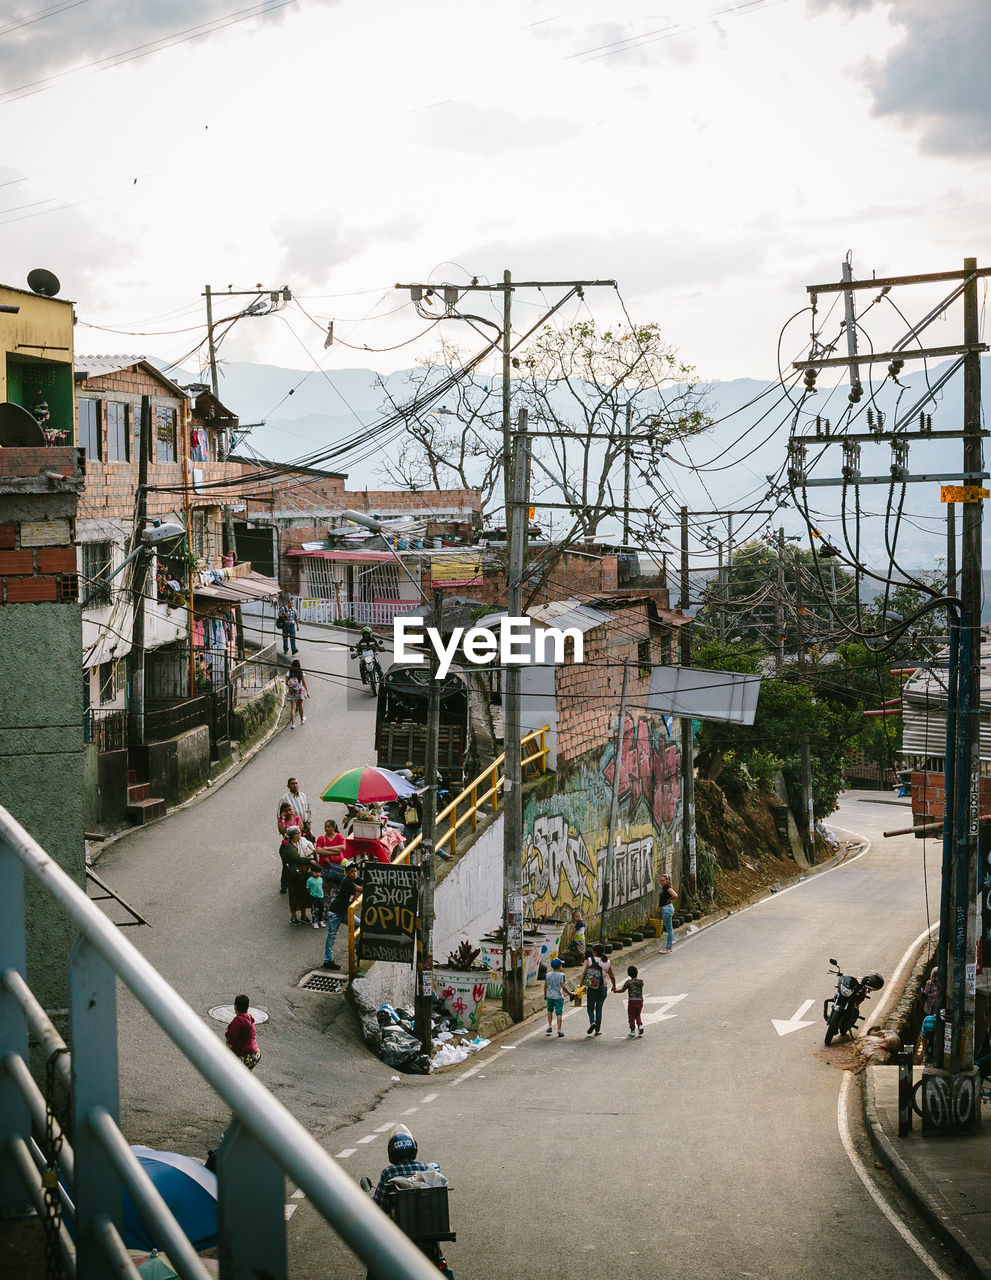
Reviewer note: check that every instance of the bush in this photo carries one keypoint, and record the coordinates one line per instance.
(706, 870)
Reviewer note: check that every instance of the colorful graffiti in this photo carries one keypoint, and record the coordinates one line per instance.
(567, 833)
(649, 771)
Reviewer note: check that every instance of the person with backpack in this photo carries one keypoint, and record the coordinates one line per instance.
(598, 970)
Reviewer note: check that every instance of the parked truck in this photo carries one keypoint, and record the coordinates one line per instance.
(401, 723)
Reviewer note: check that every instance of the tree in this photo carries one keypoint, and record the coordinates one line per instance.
(601, 394)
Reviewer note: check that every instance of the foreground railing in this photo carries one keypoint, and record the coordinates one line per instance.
(41, 1168)
(464, 809)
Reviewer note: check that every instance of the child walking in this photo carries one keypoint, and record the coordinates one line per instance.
(634, 1001)
(314, 885)
(555, 989)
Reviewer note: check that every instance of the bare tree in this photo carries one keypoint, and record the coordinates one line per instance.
(593, 398)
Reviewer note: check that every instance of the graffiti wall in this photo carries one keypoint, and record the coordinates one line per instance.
(566, 834)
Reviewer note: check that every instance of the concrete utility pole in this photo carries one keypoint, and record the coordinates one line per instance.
(424, 1000)
(779, 606)
(609, 867)
(949, 1096)
(513, 974)
(808, 810)
(688, 846)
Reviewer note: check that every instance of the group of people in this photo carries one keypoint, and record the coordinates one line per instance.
(596, 973)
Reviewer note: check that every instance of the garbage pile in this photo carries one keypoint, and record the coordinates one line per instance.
(392, 1036)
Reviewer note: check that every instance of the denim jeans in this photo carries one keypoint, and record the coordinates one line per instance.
(596, 997)
(667, 915)
(334, 922)
(289, 638)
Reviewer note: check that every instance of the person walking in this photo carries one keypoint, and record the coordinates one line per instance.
(555, 989)
(287, 620)
(666, 899)
(338, 913)
(598, 970)
(297, 802)
(296, 691)
(634, 1001)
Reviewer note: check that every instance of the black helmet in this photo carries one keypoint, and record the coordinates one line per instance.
(402, 1145)
(874, 981)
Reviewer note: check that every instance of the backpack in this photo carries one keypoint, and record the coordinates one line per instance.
(593, 977)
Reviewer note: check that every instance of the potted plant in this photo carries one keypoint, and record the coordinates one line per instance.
(460, 983)
(491, 946)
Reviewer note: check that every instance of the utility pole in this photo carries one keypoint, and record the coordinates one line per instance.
(139, 581)
(507, 424)
(626, 473)
(688, 847)
(609, 860)
(513, 974)
(808, 810)
(949, 1096)
(951, 548)
(424, 1000)
(779, 606)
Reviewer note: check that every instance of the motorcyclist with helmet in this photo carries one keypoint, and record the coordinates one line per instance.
(368, 640)
(402, 1153)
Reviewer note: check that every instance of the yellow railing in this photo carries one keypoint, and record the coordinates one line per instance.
(485, 790)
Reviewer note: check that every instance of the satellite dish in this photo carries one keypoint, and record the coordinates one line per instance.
(44, 282)
(18, 428)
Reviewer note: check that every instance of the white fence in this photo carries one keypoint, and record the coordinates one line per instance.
(365, 613)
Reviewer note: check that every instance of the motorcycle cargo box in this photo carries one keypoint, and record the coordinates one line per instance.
(422, 1214)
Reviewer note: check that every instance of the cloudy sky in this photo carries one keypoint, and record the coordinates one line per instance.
(713, 156)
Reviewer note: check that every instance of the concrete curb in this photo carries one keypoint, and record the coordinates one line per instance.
(943, 1222)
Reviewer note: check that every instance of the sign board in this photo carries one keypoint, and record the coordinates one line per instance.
(389, 902)
(962, 493)
(45, 533)
(726, 696)
(456, 570)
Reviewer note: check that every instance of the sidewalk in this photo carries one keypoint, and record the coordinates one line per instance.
(948, 1179)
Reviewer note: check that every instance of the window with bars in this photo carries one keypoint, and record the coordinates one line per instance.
(378, 583)
(108, 682)
(165, 434)
(199, 532)
(117, 431)
(89, 427)
(97, 560)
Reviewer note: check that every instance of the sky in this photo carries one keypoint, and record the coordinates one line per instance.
(713, 158)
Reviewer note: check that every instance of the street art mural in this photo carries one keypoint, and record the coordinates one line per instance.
(566, 834)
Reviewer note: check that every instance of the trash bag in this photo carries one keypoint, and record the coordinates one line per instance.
(403, 1050)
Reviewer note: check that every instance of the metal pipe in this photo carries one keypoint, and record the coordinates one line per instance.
(23, 1081)
(17, 1149)
(38, 1021)
(949, 791)
(114, 1249)
(352, 1214)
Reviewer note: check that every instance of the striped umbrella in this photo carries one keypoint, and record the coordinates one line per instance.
(368, 785)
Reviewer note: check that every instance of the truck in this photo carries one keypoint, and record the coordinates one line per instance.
(401, 723)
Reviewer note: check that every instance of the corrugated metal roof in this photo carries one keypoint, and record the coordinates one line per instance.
(558, 613)
(924, 708)
(101, 366)
(253, 586)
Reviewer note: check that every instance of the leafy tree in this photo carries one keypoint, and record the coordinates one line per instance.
(590, 394)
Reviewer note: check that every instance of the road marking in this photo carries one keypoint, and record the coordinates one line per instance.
(665, 1003)
(348, 1151)
(369, 1137)
(289, 1210)
(384, 1128)
(430, 1097)
(298, 1194)
(411, 1111)
(784, 1026)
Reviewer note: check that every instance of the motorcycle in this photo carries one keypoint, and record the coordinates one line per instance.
(369, 668)
(841, 1012)
(422, 1215)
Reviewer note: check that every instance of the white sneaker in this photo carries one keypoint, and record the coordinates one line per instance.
(631, 1035)
(292, 724)
(304, 719)
(317, 925)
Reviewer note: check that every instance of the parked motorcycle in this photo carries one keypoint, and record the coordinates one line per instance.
(842, 1011)
(424, 1218)
(369, 668)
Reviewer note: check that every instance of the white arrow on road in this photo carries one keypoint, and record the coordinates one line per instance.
(664, 1003)
(782, 1026)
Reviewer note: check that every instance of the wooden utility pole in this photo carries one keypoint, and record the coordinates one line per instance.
(424, 999)
(688, 847)
(808, 820)
(513, 974)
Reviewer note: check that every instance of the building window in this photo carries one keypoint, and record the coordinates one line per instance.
(89, 427)
(97, 564)
(199, 533)
(117, 432)
(643, 658)
(165, 430)
(108, 682)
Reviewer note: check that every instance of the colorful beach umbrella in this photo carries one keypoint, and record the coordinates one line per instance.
(368, 785)
(187, 1188)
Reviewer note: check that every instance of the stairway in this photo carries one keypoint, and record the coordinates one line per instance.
(142, 807)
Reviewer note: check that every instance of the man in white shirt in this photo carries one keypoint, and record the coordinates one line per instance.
(297, 801)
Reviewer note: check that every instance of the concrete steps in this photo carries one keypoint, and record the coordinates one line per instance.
(142, 806)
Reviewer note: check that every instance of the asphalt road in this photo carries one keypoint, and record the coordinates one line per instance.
(709, 1147)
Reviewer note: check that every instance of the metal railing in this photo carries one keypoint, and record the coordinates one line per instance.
(253, 674)
(107, 729)
(363, 613)
(463, 810)
(264, 1145)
